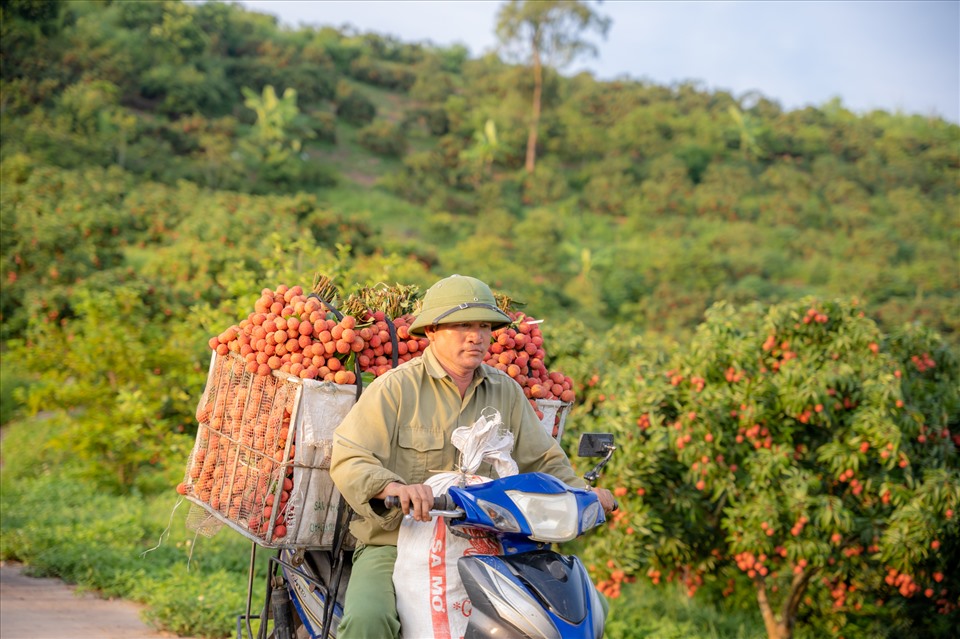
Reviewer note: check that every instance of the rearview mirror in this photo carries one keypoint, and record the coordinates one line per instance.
(595, 444)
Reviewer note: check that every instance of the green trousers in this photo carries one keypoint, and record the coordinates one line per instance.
(370, 606)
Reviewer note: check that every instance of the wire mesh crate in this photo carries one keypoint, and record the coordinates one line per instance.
(260, 462)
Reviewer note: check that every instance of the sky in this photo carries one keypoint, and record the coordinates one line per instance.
(896, 56)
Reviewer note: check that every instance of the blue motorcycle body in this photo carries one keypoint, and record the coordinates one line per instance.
(530, 590)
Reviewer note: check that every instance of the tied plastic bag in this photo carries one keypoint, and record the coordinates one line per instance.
(431, 598)
(485, 441)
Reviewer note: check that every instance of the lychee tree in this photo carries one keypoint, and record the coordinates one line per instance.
(796, 455)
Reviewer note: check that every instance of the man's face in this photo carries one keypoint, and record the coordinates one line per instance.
(460, 347)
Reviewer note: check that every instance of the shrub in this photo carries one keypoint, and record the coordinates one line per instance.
(353, 107)
(383, 74)
(112, 359)
(383, 137)
(324, 126)
(797, 453)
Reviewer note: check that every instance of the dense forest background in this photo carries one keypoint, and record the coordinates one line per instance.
(162, 162)
(183, 135)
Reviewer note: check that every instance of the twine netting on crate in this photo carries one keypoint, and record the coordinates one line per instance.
(241, 466)
(202, 522)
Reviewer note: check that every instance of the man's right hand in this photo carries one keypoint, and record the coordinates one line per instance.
(416, 500)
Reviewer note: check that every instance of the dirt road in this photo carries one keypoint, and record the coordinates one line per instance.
(32, 608)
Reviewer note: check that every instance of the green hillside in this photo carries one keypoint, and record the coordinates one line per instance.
(648, 203)
(163, 162)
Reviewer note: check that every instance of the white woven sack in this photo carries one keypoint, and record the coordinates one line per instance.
(431, 598)
(323, 406)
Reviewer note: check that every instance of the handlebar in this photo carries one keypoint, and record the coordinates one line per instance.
(440, 502)
(444, 504)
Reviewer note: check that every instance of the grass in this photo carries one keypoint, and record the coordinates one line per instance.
(356, 194)
(131, 546)
(646, 612)
(390, 215)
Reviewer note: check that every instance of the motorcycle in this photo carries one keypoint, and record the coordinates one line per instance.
(530, 590)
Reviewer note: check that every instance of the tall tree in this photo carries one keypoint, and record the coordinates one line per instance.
(273, 146)
(549, 32)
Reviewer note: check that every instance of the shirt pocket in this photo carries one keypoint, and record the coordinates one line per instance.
(421, 452)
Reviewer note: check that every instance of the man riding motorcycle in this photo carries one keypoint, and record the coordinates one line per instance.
(398, 435)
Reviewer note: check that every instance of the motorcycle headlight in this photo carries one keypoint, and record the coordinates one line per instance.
(590, 517)
(552, 518)
(502, 518)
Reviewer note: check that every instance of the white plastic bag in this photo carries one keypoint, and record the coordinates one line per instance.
(485, 441)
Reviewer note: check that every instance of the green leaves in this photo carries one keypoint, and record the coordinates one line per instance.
(550, 28)
(115, 371)
(274, 144)
(792, 430)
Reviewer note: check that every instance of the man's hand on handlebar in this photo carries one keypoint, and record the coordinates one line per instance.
(415, 500)
(606, 500)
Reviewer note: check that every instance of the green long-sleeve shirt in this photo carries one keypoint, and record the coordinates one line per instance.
(400, 429)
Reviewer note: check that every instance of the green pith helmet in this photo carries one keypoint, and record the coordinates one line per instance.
(458, 298)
